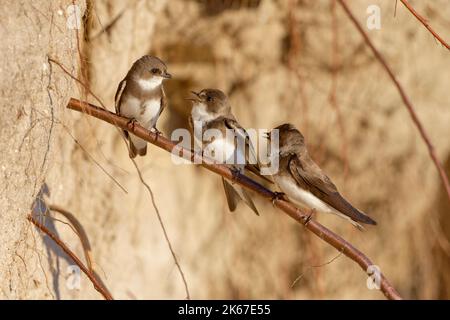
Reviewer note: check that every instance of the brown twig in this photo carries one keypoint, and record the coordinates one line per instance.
(425, 23)
(82, 235)
(404, 97)
(315, 266)
(88, 154)
(97, 285)
(141, 178)
(80, 232)
(107, 29)
(322, 232)
(166, 235)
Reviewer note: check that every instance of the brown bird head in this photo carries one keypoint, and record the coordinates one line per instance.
(211, 101)
(150, 68)
(291, 140)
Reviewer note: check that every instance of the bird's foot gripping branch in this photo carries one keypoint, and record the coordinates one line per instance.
(285, 206)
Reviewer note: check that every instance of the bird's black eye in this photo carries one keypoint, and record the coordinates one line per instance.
(209, 99)
(155, 71)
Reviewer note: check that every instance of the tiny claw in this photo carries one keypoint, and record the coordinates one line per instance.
(131, 123)
(197, 156)
(235, 172)
(309, 216)
(157, 132)
(279, 196)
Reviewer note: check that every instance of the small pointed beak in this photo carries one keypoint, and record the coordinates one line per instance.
(196, 98)
(167, 75)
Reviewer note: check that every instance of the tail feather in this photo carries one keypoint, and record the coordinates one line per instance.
(236, 193)
(133, 151)
(143, 151)
(341, 205)
(231, 195)
(248, 200)
(359, 216)
(353, 222)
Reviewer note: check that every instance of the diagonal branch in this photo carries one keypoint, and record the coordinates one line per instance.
(79, 231)
(404, 97)
(425, 23)
(82, 235)
(322, 232)
(97, 285)
(141, 178)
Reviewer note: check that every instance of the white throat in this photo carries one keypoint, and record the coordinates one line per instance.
(149, 84)
(199, 113)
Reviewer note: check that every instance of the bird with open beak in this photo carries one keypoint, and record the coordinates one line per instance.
(140, 96)
(211, 118)
(304, 182)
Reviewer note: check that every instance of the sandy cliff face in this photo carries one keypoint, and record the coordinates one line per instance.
(33, 93)
(278, 63)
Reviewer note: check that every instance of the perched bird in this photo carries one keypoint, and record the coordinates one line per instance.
(211, 110)
(140, 96)
(303, 182)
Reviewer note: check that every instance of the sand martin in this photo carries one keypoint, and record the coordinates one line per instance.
(211, 111)
(140, 97)
(303, 182)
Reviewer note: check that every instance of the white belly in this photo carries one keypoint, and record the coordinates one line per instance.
(145, 112)
(199, 113)
(198, 132)
(301, 196)
(221, 150)
(305, 198)
(151, 112)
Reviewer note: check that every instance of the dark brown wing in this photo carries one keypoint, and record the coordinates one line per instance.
(231, 195)
(195, 139)
(310, 177)
(118, 101)
(251, 155)
(118, 95)
(242, 134)
(163, 101)
(191, 123)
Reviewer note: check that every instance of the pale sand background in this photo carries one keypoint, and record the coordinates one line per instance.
(244, 50)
